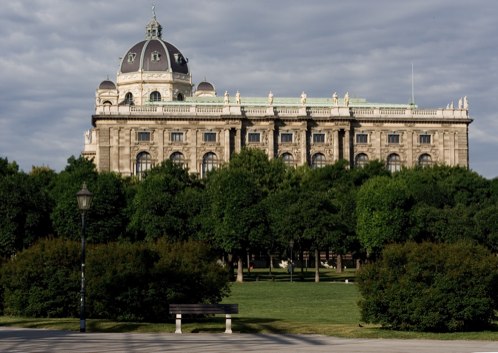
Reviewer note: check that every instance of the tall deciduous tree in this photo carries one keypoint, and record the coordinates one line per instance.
(382, 208)
(236, 216)
(25, 205)
(164, 204)
(106, 217)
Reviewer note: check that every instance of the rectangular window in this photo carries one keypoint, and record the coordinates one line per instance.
(254, 137)
(286, 137)
(210, 137)
(143, 136)
(177, 137)
(361, 138)
(425, 139)
(319, 138)
(393, 138)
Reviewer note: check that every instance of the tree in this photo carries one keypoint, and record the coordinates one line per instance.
(12, 203)
(306, 217)
(338, 182)
(382, 209)
(236, 218)
(268, 175)
(486, 233)
(7, 168)
(107, 213)
(164, 204)
(106, 217)
(65, 216)
(25, 205)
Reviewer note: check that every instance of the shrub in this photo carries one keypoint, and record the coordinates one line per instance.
(43, 281)
(430, 287)
(124, 281)
(138, 281)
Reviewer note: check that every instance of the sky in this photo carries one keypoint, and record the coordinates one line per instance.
(54, 54)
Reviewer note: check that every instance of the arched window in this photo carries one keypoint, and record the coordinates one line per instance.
(178, 158)
(155, 96)
(108, 103)
(143, 163)
(361, 160)
(209, 162)
(425, 160)
(179, 97)
(393, 163)
(318, 160)
(288, 159)
(128, 98)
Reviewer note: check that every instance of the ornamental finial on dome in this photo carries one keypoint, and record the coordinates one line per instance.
(153, 28)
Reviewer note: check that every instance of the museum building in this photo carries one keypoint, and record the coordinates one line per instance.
(154, 112)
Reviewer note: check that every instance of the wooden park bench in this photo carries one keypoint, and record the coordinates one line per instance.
(191, 309)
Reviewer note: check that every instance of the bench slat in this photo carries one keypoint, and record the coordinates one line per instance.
(203, 308)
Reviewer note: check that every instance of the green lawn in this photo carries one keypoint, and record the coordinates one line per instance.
(268, 306)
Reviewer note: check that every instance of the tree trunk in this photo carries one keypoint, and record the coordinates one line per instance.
(248, 262)
(358, 264)
(230, 266)
(240, 270)
(271, 263)
(338, 268)
(317, 265)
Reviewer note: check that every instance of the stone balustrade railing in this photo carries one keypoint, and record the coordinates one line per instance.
(281, 111)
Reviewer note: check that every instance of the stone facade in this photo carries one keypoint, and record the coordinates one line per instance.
(150, 116)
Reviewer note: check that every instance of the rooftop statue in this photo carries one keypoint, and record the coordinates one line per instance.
(88, 137)
(335, 99)
(237, 97)
(465, 103)
(226, 98)
(346, 99)
(303, 98)
(270, 98)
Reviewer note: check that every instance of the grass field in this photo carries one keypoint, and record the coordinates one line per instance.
(273, 306)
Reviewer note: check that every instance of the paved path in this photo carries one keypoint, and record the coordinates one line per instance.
(30, 340)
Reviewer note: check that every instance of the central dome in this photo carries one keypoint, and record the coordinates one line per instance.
(154, 54)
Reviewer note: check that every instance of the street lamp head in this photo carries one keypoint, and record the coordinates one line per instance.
(291, 243)
(84, 198)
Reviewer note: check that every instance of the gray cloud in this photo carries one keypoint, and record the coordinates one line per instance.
(55, 53)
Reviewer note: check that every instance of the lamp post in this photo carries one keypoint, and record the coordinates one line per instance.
(291, 245)
(84, 198)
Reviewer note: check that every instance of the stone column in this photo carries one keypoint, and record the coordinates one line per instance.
(410, 137)
(303, 145)
(453, 149)
(238, 139)
(271, 140)
(194, 163)
(226, 145)
(159, 135)
(440, 137)
(347, 145)
(336, 145)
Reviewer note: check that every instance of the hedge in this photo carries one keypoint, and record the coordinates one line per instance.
(431, 287)
(124, 281)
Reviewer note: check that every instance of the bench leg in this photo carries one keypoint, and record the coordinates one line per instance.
(228, 323)
(178, 323)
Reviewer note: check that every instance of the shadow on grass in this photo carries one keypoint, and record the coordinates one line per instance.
(307, 275)
(62, 324)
